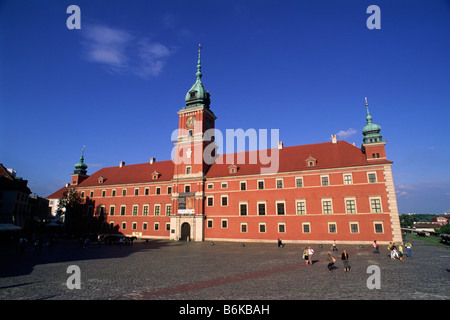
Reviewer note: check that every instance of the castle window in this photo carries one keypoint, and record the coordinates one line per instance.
(224, 223)
(347, 179)
(325, 181)
(261, 208)
(279, 183)
(243, 186)
(375, 205)
(327, 207)
(332, 227)
(378, 226)
(262, 228)
(350, 205)
(306, 227)
(372, 177)
(261, 185)
(188, 169)
(224, 201)
(280, 209)
(301, 207)
(354, 227)
(243, 209)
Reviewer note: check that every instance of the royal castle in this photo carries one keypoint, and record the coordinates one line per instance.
(316, 193)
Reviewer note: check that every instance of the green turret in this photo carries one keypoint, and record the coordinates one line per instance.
(81, 167)
(371, 131)
(197, 95)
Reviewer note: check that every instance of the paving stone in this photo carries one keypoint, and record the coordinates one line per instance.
(165, 270)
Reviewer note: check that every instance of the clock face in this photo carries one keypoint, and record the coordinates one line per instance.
(190, 121)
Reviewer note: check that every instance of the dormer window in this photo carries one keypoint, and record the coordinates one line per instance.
(311, 162)
(192, 94)
(101, 180)
(232, 169)
(155, 175)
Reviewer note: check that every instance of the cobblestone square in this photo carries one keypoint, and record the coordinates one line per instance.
(166, 270)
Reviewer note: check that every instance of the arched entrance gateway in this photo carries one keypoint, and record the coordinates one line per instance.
(185, 232)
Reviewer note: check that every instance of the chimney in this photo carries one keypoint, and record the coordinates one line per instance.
(280, 145)
(333, 139)
(152, 160)
(121, 164)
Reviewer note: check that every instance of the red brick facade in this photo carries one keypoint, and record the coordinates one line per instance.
(317, 194)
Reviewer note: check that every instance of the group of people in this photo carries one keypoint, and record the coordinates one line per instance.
(308, 253)
(396, 252)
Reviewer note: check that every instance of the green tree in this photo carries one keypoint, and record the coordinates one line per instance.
(71, 206)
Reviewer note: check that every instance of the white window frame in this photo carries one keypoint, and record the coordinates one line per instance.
(332, 223)
(347, 175)
(296, 206)
(276, 207)
(346, 207)
(246, 209)
(321, 180)
(326, 200)
(368, 178)
(309, 227)
(370, 203)
(350, 227)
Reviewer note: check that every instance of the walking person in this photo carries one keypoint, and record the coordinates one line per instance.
(331, 262)
(306, 255)
(334, 246)
(408, 249)
(310, 253)
(376, 247)
(344, 258)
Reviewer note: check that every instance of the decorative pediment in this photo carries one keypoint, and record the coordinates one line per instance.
(311, 161)
(233, 169)
(155, 175)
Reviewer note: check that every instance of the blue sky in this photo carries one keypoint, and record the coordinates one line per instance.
(303, 67)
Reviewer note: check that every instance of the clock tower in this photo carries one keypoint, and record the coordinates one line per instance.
(195, 151)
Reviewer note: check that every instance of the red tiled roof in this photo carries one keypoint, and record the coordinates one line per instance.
(327, 155)
(134, 173)
(58, 194)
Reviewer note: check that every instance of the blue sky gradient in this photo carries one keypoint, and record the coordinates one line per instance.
(303, 67)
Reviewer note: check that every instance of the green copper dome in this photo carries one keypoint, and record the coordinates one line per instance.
(197, 95)
(81, 167)
(371, 131)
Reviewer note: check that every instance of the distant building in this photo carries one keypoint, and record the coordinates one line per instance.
(441, 220)
(319, 193)
(14, 198)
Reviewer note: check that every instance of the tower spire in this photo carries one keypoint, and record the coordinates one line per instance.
(197, 95)
(199, 65)
(368, 116)
(81, 167)
(371, 131)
